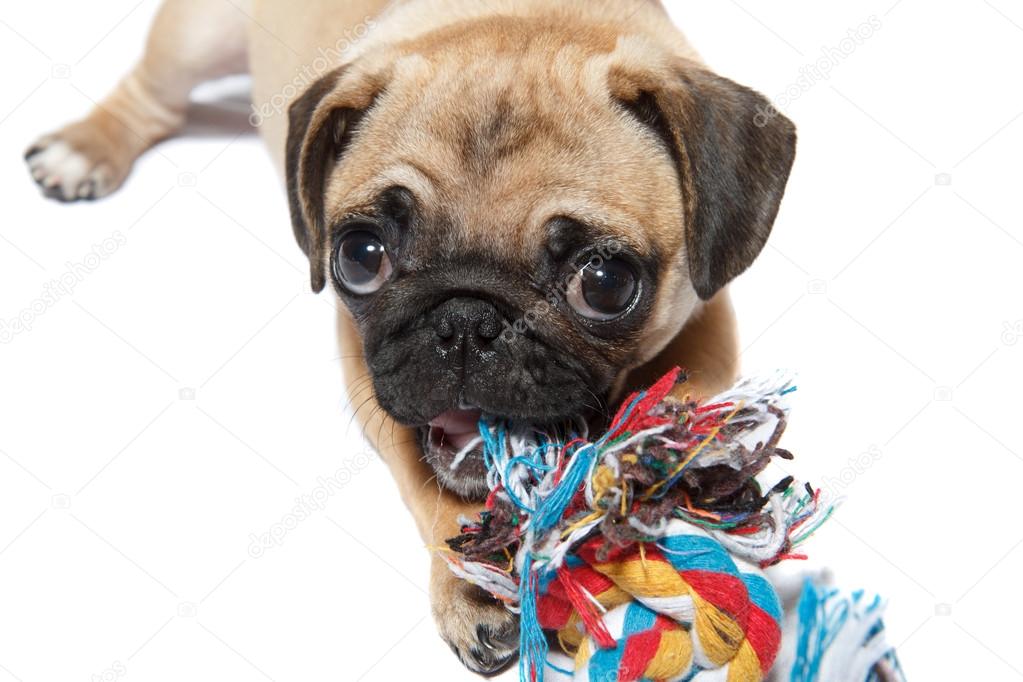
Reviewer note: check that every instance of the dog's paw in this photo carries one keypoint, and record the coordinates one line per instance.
(69, 166)
(478, 628)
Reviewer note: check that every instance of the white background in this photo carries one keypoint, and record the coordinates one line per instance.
(892, 283)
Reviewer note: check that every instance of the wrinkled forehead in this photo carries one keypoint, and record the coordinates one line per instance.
(496, 146)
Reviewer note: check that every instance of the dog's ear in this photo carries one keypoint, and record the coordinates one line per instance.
(733, 151)
(321, 123)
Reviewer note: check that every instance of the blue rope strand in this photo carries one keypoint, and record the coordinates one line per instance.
(532, 642)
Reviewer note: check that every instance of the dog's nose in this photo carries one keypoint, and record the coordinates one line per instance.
(469, 319)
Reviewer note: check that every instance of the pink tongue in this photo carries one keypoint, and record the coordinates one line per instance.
(457, 428)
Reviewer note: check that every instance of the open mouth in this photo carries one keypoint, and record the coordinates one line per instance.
(453, 447)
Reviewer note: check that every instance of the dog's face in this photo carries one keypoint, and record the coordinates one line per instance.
(516, 215)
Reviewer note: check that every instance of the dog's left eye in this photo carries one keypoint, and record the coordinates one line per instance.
(603, 289)
(361, 263)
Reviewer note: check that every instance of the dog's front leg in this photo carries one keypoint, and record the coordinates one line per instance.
(191, 41)
(479, 629)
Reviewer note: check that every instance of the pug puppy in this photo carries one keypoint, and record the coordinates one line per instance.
(527, 207)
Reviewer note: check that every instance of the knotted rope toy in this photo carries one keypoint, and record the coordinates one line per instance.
(836, 637)
(642, 549)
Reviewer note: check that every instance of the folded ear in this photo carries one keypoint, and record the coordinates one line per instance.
(321, 123)
(733, 152)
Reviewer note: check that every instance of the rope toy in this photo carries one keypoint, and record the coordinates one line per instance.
(680, 604)
(838, 637)
(641, 550)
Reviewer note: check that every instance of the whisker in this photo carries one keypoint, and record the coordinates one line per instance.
(358, 386)
(356, 412)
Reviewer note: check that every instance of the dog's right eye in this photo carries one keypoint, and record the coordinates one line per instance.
(361, 263)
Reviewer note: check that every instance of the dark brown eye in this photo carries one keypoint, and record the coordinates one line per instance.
(603, 289)
(361, 263)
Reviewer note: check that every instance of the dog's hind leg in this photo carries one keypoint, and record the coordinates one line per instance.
(191, 41)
